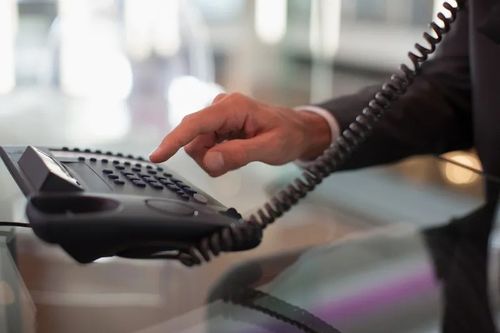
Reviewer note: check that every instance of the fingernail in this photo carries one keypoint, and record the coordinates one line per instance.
(151, 155)
(214, 161)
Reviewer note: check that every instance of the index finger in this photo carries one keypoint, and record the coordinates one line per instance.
(201, 122)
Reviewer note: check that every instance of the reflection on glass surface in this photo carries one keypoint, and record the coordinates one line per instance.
(398, 277)
(12, 200)
(17, 311)
(394, 280)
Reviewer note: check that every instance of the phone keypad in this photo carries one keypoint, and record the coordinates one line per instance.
(140, 175)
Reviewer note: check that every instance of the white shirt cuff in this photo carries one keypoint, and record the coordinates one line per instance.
(330, 119)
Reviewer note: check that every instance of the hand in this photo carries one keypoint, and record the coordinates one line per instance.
(236, 130)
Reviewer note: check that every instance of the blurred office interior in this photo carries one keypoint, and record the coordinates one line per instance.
(117, 75)
(120, 74)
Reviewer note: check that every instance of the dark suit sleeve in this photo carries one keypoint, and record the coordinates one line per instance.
(434, 116)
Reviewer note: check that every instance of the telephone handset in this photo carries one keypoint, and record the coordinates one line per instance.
(97, 204)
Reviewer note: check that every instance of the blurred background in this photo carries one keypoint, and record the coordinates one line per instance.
(120, 74)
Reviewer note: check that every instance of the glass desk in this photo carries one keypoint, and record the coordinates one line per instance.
(389, 256)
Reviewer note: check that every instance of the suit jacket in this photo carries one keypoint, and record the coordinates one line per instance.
(453, 104)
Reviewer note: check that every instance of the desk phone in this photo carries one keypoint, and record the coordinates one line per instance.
(96, 204)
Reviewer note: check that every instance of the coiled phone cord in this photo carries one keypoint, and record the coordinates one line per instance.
(333, 157)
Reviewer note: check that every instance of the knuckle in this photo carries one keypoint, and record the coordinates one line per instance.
(238, 97)
(280, 139)
(241, 101)
(219, 97)
(187, 118)
(240, 158)
(190, 150)
(281, 143)
(177, 143)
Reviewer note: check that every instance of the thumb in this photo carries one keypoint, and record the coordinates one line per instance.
(231, 155)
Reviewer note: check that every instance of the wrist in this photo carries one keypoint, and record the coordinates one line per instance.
(318, 135)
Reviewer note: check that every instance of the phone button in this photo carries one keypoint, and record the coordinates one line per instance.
(138, 183)
(170, 207)
(183, 196)
(200, 198)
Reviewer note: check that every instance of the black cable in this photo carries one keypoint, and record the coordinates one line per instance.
(337, 154)
(14, 224)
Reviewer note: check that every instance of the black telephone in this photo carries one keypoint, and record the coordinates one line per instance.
(97, 204)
